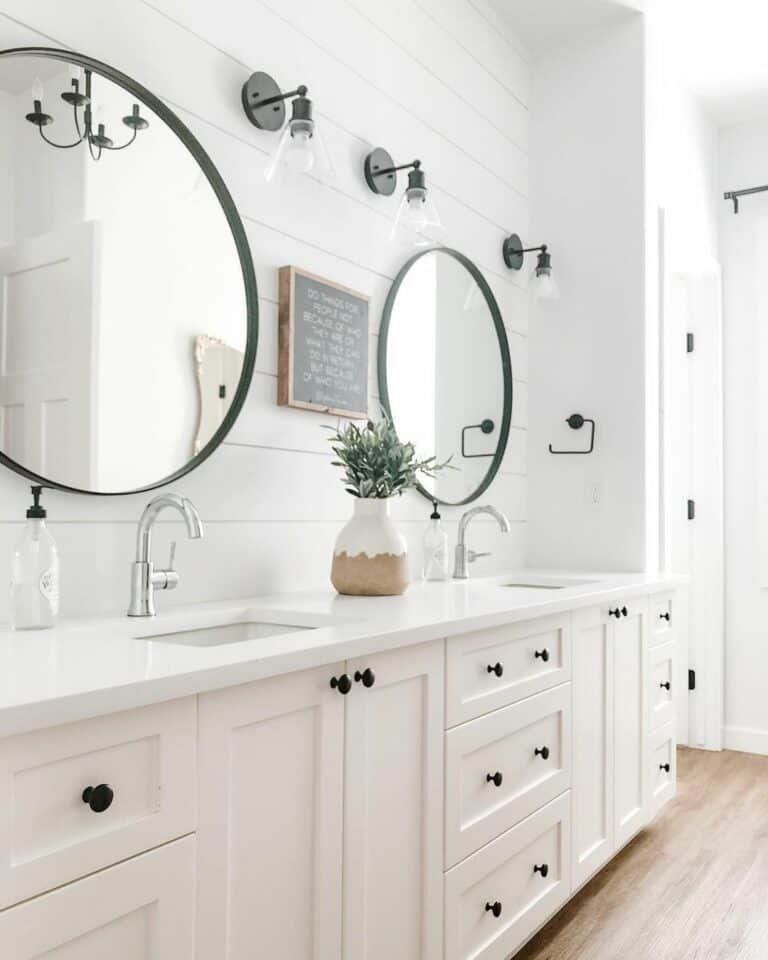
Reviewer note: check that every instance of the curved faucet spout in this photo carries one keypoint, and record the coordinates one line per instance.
(464, 556)
(144, 533)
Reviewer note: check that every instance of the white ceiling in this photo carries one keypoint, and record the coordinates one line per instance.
(719, 49)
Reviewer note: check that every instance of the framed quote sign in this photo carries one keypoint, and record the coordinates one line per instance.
(323, 345)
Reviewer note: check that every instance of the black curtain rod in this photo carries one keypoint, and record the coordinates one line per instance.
(735, 194)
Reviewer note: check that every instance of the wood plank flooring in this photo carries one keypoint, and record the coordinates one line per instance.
(693, 886)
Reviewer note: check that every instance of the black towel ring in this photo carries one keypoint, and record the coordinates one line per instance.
(576, 422)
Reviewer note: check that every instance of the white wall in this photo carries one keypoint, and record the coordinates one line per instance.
(744, 163)
(438, 79)
(588, 349)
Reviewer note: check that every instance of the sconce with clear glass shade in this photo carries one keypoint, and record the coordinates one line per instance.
(543, 285)
(417, 220)
(301, 148)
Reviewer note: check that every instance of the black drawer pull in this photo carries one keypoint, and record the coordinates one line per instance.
(665, 616)
(343, 684)
(543, 869)
(614, 613)
(665, 767)
(368, 677)
(497, 668)
(99, 798)
(666, 685)
(495, 778)
(542, 655)
(494, 908)
(542, 752)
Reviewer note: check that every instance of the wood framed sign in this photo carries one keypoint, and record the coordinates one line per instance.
(323, 345)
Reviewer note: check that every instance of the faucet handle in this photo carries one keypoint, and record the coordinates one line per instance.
(473, 555)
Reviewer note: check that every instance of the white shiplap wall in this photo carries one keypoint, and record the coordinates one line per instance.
(439, 79)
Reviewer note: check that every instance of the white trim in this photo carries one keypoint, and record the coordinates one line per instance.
(746, 740)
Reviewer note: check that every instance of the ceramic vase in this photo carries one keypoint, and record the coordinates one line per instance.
(370, 558)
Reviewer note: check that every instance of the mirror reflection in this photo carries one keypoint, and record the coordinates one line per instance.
(445, 371)
(116, 261)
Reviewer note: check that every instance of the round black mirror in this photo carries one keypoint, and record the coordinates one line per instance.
(445, 373)
(129, 318)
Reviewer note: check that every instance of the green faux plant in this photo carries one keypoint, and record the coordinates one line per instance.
(376, 463)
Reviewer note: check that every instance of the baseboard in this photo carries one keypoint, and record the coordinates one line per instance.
(746, 740)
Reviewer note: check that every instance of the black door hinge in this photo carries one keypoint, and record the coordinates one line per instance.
(691, 509)
(689, 343)
(691, 679)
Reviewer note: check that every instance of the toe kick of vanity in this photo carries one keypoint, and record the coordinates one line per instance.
(436, 800)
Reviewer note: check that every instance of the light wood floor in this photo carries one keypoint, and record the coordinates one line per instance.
(693, 886)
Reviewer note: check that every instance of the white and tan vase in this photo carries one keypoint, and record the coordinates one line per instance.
(370, 558)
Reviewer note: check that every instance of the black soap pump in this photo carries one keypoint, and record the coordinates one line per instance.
(436, 558)
(35, 573)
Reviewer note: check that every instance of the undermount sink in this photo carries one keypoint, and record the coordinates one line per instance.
(221, 634)
(546, 583)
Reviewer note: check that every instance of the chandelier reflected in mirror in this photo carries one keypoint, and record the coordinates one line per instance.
(82, 106)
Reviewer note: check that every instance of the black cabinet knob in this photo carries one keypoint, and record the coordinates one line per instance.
(542, 655)
(494, 908)
(666, 685)
(497, 668)
(543, 869)
(542, 752)
(665, 616)
(665, 767)
(343, 684)
(368, 677)
(495, 778)
(99, 798)
(614, 613)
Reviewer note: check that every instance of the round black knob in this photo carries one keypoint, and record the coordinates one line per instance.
(624, 612)
(665, 616)
(497, 668)
(614, 613)
(99, 798)
(542, 752)
(666, 685)
(368, 677)
(542, 655)
(495, 778)
(494, 908)
(343, 684)
(543, 869)
(665, 767)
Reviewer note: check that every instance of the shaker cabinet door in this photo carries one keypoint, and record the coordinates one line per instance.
(270, 819)
(393, 806)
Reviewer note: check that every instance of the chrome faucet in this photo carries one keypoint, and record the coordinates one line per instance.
(464, 556)
(144, 578)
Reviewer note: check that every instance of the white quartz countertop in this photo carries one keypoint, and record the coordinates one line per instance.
(89, 667)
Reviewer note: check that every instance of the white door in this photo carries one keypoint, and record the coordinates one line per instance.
(393, 831)
(630, 712)
(593, 672)
(141, 909)
(270, 819)
(48, 289)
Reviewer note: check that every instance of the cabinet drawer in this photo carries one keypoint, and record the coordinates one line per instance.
(50, 836)
(662, 682)
(663, 762)
(142, 909)
(492, 668)
(503, 874)
(662, 617)
(495, 777)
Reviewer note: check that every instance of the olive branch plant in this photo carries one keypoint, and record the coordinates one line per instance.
(376, 463)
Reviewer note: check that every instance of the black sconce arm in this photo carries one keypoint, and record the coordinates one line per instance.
(413, 165)
(300, 91)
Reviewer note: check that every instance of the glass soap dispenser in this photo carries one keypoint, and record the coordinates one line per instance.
(35, 576)
(436, 556)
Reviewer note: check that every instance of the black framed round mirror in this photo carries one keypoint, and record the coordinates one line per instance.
(129, 315)
(445, 371)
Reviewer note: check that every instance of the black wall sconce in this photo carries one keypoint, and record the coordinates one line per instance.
(417, 217)
(301, 147)
(513, 251)
(78, 100)
(576, 422)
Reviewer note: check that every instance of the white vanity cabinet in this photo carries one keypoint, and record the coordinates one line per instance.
(316, 805)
